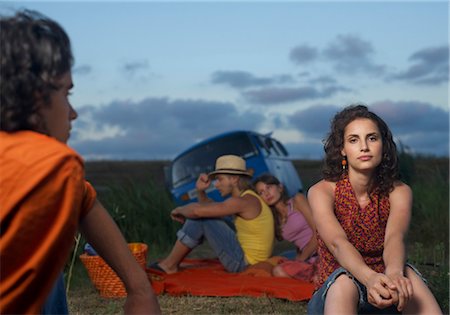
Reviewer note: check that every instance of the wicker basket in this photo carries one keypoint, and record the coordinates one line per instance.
(104, 278)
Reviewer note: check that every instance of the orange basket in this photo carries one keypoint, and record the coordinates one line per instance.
(104, 278)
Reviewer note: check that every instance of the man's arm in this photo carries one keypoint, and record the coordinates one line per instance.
(102, 233)
(247, 206)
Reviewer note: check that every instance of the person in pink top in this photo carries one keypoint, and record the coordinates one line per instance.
(294, 223)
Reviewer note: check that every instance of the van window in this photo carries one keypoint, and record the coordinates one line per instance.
(280, 147)
(262, 144)
(202, 159)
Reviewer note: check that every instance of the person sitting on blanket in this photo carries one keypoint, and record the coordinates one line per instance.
(294, 223)
(44, 196)
(362, 211)
(247, 241)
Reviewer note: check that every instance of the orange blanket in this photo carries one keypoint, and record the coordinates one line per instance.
(207, 277)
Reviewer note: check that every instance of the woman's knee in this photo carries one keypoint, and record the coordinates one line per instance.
(423, 301)
(344, 285)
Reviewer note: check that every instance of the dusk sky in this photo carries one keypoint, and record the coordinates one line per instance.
(153, 78)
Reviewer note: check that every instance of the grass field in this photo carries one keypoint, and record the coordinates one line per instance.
(135, 195)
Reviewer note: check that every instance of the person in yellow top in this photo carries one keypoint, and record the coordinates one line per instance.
(246, 242)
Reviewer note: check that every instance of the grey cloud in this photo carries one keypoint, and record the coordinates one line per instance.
(158, 127)
(407, 117)
(276, 95)
(303, 54)
(325, 80)
(314, 121)
(82, 70)
(243, 79)
(421, 126)
(430, 67)
(306, 150)
(138, 71)
(351, 54)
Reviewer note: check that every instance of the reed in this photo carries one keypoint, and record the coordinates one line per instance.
(142, 212)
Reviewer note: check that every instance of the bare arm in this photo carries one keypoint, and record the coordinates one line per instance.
(202, 184)
(394, 246)
(247, 206)
(103, 234)
(301, 204)
(321, 199)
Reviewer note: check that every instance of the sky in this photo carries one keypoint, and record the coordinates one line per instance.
(153, 78)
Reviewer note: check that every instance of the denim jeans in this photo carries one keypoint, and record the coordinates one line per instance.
(220, 235)
(317, 303)
(56, 301)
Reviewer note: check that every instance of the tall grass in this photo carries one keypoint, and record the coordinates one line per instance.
(429, 234)
(142, 212)
(428, 237)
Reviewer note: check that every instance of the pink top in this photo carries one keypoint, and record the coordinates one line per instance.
(296, 229)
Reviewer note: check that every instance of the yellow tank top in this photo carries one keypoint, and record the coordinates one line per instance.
(257, 235)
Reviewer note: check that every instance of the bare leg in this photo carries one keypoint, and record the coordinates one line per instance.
(171, 262)
(423, 301)
(342, 297)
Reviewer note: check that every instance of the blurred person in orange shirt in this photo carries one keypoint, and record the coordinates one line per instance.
(44, 196)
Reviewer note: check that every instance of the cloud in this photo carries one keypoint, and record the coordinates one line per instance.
(430, 67)
(243, 79)
(421, 126)
(351, 54)
(324, 79)
(276, 95)
(154, 128)
(137, 71)
(314, 121)
(160, 128)
(303, 54)
(82, 70)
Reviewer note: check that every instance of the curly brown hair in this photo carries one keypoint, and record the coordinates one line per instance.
(35, 53)
(385, 174)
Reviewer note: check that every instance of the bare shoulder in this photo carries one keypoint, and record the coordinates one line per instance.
(299, 198)
(242, 202)
(401, 189)
(322, 188)
(321, 196)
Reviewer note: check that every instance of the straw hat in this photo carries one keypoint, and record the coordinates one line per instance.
(230, 164)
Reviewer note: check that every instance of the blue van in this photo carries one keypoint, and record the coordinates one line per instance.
(262, 153)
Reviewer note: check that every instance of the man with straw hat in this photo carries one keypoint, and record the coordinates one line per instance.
(246, 242)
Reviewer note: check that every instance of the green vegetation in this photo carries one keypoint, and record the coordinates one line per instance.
(428, 238)
(142, 212)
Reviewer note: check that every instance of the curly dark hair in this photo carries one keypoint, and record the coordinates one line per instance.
(385, 174)
(269, 179)
(34, 53)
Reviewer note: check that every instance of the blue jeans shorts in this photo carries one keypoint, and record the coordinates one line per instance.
(221, 236)
(317, 303)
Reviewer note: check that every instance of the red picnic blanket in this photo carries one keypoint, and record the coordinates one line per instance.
(207, 277)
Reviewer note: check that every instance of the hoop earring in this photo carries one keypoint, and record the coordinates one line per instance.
(344, 163)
